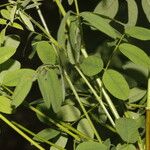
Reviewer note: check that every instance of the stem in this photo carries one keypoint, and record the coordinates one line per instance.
(54, 122)
(148, 117)
(61, 8)
(21, 133)
(35, 135)
(96, 96)
(82, 107)
(77, 7)
(41, 17)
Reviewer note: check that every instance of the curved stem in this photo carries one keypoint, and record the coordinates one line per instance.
(77, 7)
(21, 133)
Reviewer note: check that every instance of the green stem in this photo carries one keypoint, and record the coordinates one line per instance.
(54, 122)
(35, 135)
(61, 8)
(96, 96)
(21, 133)
(77, 7)
(82, 107)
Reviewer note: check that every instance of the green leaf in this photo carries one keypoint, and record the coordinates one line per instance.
(91, 145)
(135, 54)
(46, 52)
(5, 13)
(69, 113)
(13, 40)
(61, 35)
(12, 78)
(85, 128)
(99, 23)
(92, 65)
(3, 21)
(5, 105)
(107, 8)
(21, 90)
(62, 141)
(136, 94)
(26, 21)
(138, 33)
(126, 147)
(46, 134)
(51, 88)
(146, 6)
(75, 40)
(70, 2)
(132, 13)
(127, 129)
(116, 84)
(6, 52)
(17, 26)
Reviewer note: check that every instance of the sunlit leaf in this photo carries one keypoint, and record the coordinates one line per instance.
(138, 33)
(99, 23)
(6, 52)
(46, 52)
(91, 145)
(5, 13)
(127, 129)
(107, 8)
(116, 84)
(146, 6)
(92, 65)
(26, 21)
(85, 128)
(46, 134)
(125, 147)
(68, 113)
(22, 89)
(132, 13)
(62, 141)
(51, 88)
(135, 54)
(5, 105)
(70, 2)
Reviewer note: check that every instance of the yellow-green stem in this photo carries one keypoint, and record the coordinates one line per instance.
(21, 133)
(35, 135)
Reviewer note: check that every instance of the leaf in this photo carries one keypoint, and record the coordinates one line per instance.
(3, 21)
(99, 23)
(51, 88)
(126, 147)
(21, 90)
(85, 128)
(5, 105)
(68, 113)
(6, 52)
(146, 6)
(46, 134)
(75, 40)
(61, 35)
(13, 77)
(13, 40)
(17, 26)
(62, 141)
(132, 13)
(116, 84)
(91, 145)
(46, 52)
(135, 54)
(5, 13)
(70, 2)
(107, 8)
(136, 94)
(138, 33)
(127, 129)
(26, 21)
(12, 13)
(92, 65)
